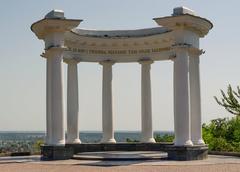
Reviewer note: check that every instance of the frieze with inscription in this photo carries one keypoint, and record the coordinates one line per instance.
(118, 52)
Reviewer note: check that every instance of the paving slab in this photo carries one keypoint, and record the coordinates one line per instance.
(214, 163)
(125, 158)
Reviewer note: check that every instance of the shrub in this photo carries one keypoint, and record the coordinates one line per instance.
(223, 134)
(164, 138)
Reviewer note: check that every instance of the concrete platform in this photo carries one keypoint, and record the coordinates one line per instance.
(56, 152)
(121, 156)
(100, 147)
(182, 153)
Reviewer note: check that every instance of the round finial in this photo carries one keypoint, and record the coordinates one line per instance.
(182, 10)
(55, 14)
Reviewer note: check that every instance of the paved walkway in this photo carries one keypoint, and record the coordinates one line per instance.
(33, 164)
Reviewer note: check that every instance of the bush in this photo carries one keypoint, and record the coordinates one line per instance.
(223, 134)
(128, 140)
(158, 138)
(37, 146)
(164, 138)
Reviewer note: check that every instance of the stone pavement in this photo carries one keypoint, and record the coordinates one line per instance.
(33, 163)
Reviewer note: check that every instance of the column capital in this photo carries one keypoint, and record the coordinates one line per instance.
(145, 61)
(172, 57)
(193, 51)
(196, 51)
(188, 47)
(107, 62)
(181, 46)
(49, 52)
(71, 60)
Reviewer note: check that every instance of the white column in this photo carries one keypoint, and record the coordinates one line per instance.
(195, 98)
(107, 110)
(72, 103)
(147, 131)
(55, 119)
(181, 97)
(51, 29)
(48, 102)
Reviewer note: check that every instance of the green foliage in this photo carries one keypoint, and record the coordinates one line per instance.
(131, 141)
(164, 138)
(158, 138)
(223, 134)
(230, 101)
(37, 146)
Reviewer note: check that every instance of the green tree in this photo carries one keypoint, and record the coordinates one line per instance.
(230, 100)
(223, 134)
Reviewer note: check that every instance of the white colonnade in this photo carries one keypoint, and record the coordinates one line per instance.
(178, 40)
(187, 104)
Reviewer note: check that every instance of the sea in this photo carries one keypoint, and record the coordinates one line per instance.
(85, 137)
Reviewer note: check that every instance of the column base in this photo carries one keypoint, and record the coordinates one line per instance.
(75, 141)
(150, 140)
(188, 153)
(186, 143)
(112, 140)
(56, 152)
(199, 142)
(57, 143)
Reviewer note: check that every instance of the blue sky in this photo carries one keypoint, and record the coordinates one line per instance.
(22, 70)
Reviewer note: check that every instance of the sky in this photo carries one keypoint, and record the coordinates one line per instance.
(23, 71)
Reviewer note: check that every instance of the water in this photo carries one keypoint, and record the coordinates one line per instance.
(86, 137)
